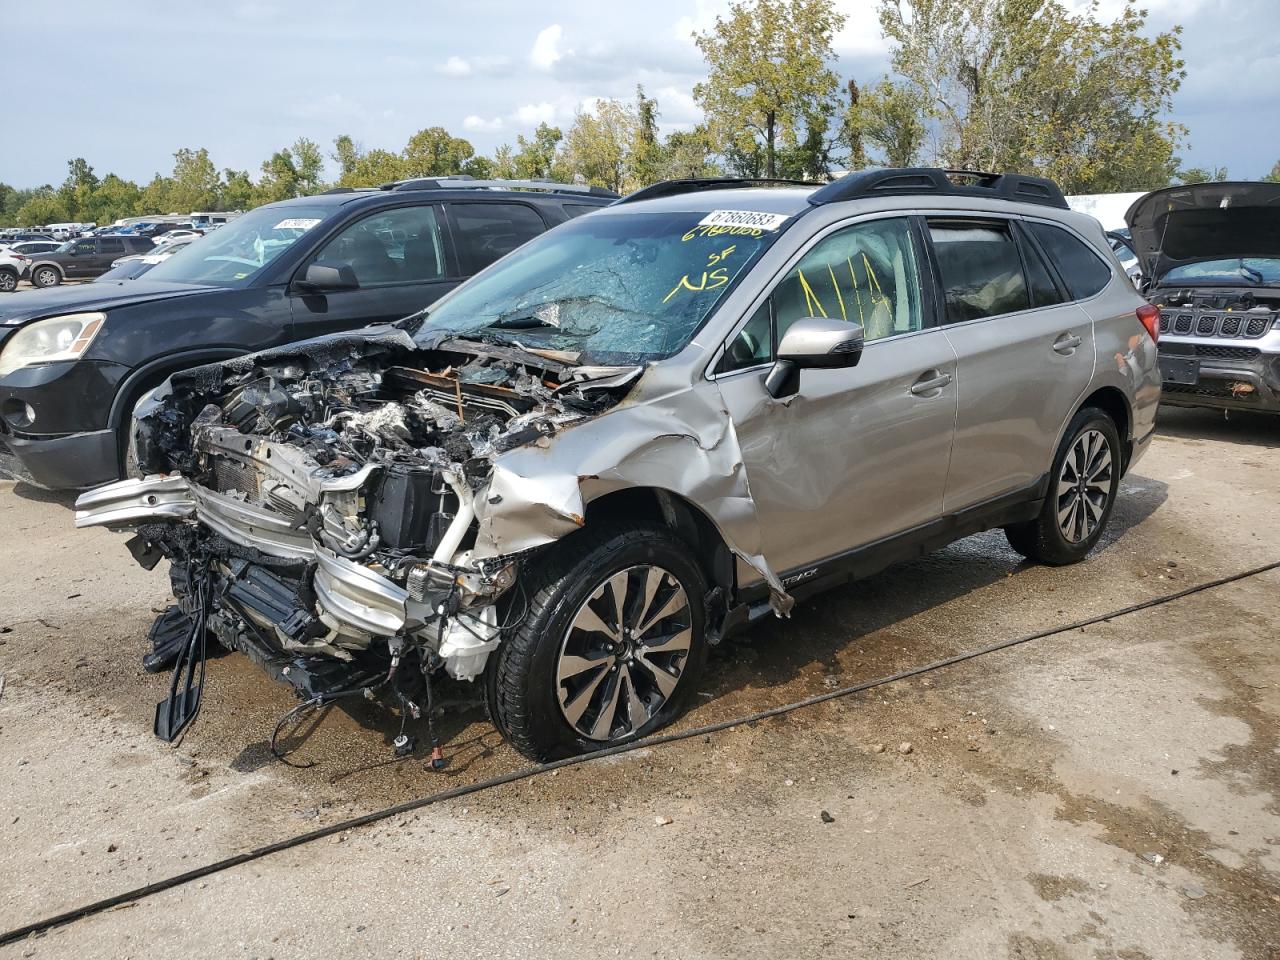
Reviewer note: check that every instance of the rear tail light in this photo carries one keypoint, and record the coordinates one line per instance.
(1149, 317)
(19, 256)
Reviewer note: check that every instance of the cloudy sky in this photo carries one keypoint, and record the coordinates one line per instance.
(126, 85)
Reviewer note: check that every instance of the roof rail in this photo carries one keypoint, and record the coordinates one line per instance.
(462, 181)
(900, 181)
(332, 190)
(671, 188)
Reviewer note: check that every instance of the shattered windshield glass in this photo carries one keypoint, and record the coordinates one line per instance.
(616, 289)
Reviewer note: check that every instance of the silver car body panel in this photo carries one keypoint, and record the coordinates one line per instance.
(131, 502)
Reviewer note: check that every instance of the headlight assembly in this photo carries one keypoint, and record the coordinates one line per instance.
(58, 338)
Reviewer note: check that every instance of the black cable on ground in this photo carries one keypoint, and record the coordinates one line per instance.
(139, 893)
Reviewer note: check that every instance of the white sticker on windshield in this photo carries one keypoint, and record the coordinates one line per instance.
(743, 218)
(296, 223)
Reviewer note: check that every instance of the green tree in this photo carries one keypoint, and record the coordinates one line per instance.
(687, 154)
(375, 168)
(237, 190)
(76, 191)
(1274, 175)
(113, 198)
(888, 120)
(346, 154)
(1202, 175)
(155, 197)
(537, 157)
(1030, 85)
(597, 145)
(279, 180)
(434, 152)
(308, 165)
(503, 164)
(769, 76)
(44, 207)
(644, 156)
(196, 183)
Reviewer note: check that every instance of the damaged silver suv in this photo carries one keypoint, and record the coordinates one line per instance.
(637, 434)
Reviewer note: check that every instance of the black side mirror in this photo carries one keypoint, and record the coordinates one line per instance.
(815, 343)
(324, 276)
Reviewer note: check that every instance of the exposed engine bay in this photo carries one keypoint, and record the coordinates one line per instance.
(319, 510)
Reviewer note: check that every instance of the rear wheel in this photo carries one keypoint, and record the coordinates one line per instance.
(46, 277)
(1082, 491)
(613, 641)
(8, 280)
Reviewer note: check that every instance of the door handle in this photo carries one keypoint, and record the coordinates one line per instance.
(1066, 344)
(930, 381)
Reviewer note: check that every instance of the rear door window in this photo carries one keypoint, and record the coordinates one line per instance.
(1083, 270)
(484, 232)
(981, 269)
(112, 246)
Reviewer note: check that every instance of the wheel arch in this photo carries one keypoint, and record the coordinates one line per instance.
(1113, 402)
(679, 514)
(41, 264)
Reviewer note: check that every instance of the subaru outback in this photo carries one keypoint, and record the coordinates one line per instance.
(638, 434)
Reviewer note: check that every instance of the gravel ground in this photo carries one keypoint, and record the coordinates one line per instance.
(1108, 793)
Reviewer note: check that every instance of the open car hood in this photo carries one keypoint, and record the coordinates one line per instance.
(1204, 221)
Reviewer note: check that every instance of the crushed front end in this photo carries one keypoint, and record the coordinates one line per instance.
(318, 506)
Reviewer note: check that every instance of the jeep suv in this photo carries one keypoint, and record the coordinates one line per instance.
(639, 433)
(1211, 256)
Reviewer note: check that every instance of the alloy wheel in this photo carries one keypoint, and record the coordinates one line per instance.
(624, 653)
(1084, 486)
(8, 282)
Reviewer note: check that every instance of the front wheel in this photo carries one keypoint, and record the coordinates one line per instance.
(46, 277)
(1082, 490)
(611, 645)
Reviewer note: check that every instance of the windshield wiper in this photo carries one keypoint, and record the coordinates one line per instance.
(1252, 274)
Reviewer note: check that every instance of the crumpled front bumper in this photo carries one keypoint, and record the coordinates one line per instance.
(349, 593)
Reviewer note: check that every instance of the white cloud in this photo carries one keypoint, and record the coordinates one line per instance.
(701, 20)
(455, 67)
(546, 47)
(678, 107)
(480, 125)
(532, 114)
(861, 34)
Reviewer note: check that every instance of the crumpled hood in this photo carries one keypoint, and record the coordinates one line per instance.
(20, 308)
(1205, 221)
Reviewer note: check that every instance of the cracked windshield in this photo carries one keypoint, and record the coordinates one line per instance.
(614, 289)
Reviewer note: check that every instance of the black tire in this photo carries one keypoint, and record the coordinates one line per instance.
(521, 677)
(8, 280)
(46, 277)
(1043, 539)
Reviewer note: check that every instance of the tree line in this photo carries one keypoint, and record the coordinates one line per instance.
(1024, 85)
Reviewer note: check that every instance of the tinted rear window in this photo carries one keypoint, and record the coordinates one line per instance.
(1083, 270)
(981, 270)
(488, 231)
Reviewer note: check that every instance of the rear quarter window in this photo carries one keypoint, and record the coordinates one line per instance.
(1084, 272)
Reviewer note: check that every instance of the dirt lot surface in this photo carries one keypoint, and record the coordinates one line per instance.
(1107, 793)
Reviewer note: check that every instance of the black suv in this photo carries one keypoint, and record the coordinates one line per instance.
(75, 361)
(84, 259)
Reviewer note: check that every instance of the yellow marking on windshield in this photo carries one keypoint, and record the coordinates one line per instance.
(711, 280)
(702, 230)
